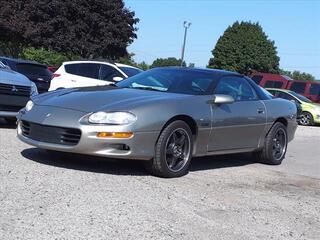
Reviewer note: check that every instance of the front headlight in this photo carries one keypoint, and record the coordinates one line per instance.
(33, 90)
(114, 118)
(29, 106)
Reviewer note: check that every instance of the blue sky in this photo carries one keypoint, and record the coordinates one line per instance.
(293, 25)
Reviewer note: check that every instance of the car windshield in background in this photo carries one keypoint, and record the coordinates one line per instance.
(300, 97)
(130, 71)
(172, 80)
(32, 69)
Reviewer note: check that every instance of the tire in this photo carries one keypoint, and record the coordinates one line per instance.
(11, 121)
(173, 151)
(306, 119)
(271, 146)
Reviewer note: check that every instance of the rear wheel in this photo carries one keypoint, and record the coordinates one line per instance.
(275, 146)
(173, 151)
(306, 119)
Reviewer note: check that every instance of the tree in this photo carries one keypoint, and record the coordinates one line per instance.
(245, 46)
(130, 61)
(297, 75)
(143, 65)
(165, 62)
(90, 29)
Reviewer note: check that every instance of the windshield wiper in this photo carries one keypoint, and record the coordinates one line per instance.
(148, 88)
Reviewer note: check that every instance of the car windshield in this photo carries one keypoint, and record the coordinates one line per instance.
(300, 97)
(173, 80)
(129, 71)
(32, 69)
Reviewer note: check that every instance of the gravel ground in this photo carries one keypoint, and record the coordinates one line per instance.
(58, 196)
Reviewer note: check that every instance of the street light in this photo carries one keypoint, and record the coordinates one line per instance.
(186, 25)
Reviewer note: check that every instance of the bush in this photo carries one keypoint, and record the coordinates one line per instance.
(41, 55)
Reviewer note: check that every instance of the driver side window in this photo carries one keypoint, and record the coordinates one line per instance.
(237, 87)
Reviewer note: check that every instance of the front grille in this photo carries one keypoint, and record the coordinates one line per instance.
(51, 134)
(6, 108)
(14, 89)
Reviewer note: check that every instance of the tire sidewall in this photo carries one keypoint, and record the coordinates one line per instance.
(160, 149)
(269, 143)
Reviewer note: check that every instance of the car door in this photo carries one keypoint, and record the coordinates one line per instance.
(238, 125)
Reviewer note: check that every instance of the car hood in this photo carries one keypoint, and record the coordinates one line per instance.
(109, 98)
(11, 77)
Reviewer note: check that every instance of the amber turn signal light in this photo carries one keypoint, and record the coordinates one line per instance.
(115, 134)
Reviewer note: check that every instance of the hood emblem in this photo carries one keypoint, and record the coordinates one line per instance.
(14, 89)
(48, 115)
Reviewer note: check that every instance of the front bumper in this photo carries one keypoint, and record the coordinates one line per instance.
(11, 104)
(139, 146)
(316, 118)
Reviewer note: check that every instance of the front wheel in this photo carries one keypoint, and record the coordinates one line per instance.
(173, 151)
(275, 145)
(306, 119)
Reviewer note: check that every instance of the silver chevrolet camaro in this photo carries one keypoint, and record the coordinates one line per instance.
(165, 116)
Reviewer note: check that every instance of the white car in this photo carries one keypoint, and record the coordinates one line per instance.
(15, 91)
(90, 73)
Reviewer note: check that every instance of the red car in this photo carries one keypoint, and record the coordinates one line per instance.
(270, 80)
(310, 90)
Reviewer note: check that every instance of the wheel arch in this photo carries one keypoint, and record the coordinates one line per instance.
(187, 119)
(281, 120)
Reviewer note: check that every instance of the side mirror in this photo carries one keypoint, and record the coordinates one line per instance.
(117, 79)
(222, 99)
(7, 67)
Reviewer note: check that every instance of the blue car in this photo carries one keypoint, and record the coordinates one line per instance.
(15, 91)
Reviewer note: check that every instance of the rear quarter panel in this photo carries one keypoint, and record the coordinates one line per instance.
(281, 109)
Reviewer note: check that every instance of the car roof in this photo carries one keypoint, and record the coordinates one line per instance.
(99, 61)
(219, 72)
(279, 89)
(283, 90)
(272, 76)
(20, 61)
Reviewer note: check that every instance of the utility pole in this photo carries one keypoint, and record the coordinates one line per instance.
(186, 25)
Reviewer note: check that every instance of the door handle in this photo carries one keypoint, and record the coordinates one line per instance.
(260, 110)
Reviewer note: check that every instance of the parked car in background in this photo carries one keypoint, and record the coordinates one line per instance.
(164, 116)
(270, 80)
(310, 111)
(15, 91)
(52, 68)
(310, 90)
(90, 73)
(36, 72)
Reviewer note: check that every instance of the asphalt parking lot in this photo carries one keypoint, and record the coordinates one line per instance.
(58, 196)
